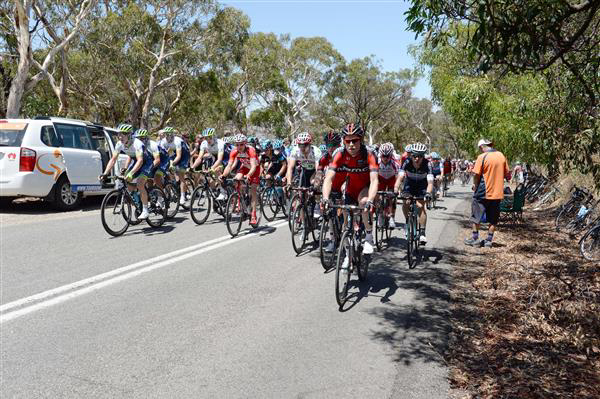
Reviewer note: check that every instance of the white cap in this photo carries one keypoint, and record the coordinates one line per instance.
(483, 142)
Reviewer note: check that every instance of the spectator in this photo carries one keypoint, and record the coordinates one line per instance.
(490, 171)
(518, 174)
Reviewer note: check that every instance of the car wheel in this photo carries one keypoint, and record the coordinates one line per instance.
(64, 198)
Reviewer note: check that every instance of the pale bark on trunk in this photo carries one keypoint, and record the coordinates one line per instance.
(17, 88)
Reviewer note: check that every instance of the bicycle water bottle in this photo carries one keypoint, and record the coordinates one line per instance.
(582, 212)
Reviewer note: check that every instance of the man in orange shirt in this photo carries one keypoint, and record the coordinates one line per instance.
(490, 171)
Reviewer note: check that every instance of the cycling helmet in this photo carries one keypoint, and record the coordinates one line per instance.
(304, 138)
(418, 149)
(208, 132)
(125, 128)
(278, 144)
(408, 148)
(331, 138)
(353, 129)
(323, 147)
(386, 150)
(240, 138)
(251, 140)
(141, 133)
(267, 145)
(435, 155)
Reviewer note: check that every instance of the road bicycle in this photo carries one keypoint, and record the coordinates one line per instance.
(171, 190)
(350, 258)
(204, 197)
(116, 209)
(412, 230)
(568, 211)
(445, 179)
(382, 217)
(273, 199)
(239, 207)
(302, 221)
(331, 231)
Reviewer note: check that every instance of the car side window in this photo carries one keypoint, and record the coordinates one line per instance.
(49, 137)
(74, 136)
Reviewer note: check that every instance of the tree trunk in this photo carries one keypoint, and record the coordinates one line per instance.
(17, 88)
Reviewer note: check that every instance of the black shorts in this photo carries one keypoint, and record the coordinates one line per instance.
(416, 190)
(491, 208)
(305, 177)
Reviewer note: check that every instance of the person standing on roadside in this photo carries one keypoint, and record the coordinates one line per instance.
(489, 172)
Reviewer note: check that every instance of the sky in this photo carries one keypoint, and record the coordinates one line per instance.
(355, 28)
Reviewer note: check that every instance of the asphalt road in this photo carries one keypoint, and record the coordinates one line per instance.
(184, 311)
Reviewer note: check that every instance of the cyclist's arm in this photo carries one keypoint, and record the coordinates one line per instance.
(139, 162)
(374, 177)
(283, 168)
(178, 153)
(111, 163)
(219, 160)
(327, 183)
(156, 159)
(290, 168)
(253, 166)
(398, 182)
(198, 160)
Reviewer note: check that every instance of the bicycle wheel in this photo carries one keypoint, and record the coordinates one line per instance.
(293, 204)
(157, 207)
(200, 205)
(411, 244)
(342, 275)
(566, 214)
(270, 203)
(234, 214)
(115, 213)
(589, 245)
(361, 263)
(388, 230)
(327, 258)
(172, 200)
(282, 200)
(379, 229)
(299, 233)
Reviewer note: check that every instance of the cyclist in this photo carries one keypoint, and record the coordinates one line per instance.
(307, 156)
(417, 176)
(389, 176)
(360, 169)
(332, 142)
(436, 167)
(447, 171)
(160, 166)
(123, 146)
(249, 169)
(181, 162)
(273, 163)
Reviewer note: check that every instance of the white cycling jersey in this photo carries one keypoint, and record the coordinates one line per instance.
(215, 148)
(307, 161)
(164, 143)
(133, 149)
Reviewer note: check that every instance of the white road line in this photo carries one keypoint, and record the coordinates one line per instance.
(52, 297)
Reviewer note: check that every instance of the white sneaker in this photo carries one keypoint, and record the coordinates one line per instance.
(221, 196)
(368, 246)
(423, 240)
(143, 215)
(392, 224)
(182, 200)
(345, 264)
(330, 247)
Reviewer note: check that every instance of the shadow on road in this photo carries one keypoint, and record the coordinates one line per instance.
(37, 206)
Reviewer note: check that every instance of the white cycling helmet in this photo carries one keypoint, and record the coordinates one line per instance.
(240, 138)
(418, 148)
(386, 150)
(304, 138)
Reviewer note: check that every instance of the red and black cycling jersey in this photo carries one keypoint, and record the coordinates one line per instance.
(325, 161)
(356, 169)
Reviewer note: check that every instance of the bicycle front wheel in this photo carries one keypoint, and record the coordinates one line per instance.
(589, 244)
(200, 205)
(379, 229)
(298, 222)
(327, 258)
(411, 243)
(234, 214)
(172, 200)
(270, 204)
(157, 207)
(345, 257)
(115, 213)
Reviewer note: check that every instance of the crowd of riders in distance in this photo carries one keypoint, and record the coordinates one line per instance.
(343, 163)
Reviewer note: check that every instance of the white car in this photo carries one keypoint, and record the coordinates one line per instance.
(55, 158)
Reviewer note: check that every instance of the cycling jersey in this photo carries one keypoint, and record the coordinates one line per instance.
(447, 167)
(215, 148)
(436, 168)
(387, 175)
(184, 161)
(275, 160)
(324, 161)
(307, 161)
(138, 147)
(244, 158)
(416, 179)
(156, 148)
(356, 169)
(169, 147)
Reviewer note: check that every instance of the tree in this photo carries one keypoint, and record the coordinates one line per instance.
(61, 32)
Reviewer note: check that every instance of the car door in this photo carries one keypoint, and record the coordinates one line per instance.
(83, 163)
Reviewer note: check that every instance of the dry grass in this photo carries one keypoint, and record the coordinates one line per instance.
(526, 316)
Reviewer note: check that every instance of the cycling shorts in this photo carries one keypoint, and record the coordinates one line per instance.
(386, 184)
(255, 178)
(305, 177)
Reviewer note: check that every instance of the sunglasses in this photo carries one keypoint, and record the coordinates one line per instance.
(302, 145)
(418, 156)
(352, 141)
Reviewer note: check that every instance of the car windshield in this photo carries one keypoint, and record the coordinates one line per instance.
(11, 134)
